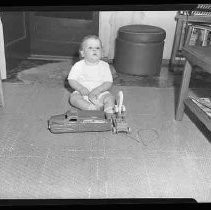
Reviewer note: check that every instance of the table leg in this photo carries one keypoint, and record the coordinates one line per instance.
(190, 29)
(1, 95)
(176, 43)
(183, 91)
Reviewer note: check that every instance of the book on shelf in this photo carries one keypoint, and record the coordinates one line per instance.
(200, 36)
(203, 103)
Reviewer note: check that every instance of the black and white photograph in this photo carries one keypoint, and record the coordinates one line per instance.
(103, 103)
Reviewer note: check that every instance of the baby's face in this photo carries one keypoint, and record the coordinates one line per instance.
(92, 50)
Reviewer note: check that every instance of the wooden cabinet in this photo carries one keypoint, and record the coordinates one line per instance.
(45, 33)
(181, 34)
(60, 33)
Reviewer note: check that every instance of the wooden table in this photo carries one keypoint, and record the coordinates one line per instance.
(196, 56)
(181, 34)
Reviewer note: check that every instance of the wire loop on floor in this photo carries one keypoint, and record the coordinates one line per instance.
(141, 135)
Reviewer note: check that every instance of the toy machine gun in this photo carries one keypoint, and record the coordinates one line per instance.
(119, 118)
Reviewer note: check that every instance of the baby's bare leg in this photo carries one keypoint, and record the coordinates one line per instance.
(78, 101)
(109, 102)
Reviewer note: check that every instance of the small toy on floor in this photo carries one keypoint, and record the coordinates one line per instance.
(119, 118)
(75, 120)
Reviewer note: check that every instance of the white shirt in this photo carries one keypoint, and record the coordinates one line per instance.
(91, 76)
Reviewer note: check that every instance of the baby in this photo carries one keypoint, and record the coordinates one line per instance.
(91, 78)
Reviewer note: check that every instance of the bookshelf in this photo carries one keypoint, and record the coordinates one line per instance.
(195, 56)
(200, 17)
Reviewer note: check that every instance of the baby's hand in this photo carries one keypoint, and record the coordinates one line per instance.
(93, 95)
(84, 91)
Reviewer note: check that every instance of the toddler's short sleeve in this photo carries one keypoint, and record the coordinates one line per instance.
(107, 76)
(74, 71)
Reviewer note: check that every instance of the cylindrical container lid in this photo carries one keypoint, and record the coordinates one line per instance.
(141, 33)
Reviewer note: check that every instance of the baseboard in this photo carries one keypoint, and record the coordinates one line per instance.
(50, 57)
(165, 62)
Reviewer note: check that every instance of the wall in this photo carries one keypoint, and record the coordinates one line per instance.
(109, 22)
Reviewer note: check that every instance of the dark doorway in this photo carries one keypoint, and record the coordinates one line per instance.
(16, 37)
(60, 33)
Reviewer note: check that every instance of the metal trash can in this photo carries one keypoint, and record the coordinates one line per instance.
(139, 50)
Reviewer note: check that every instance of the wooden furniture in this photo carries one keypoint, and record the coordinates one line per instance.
(200, 57)
(59, 33)
(16, 37)
(180, 38)
(204, 39)
(1, 93)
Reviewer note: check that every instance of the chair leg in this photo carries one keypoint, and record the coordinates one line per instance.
(1, 93)
(183, 91)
